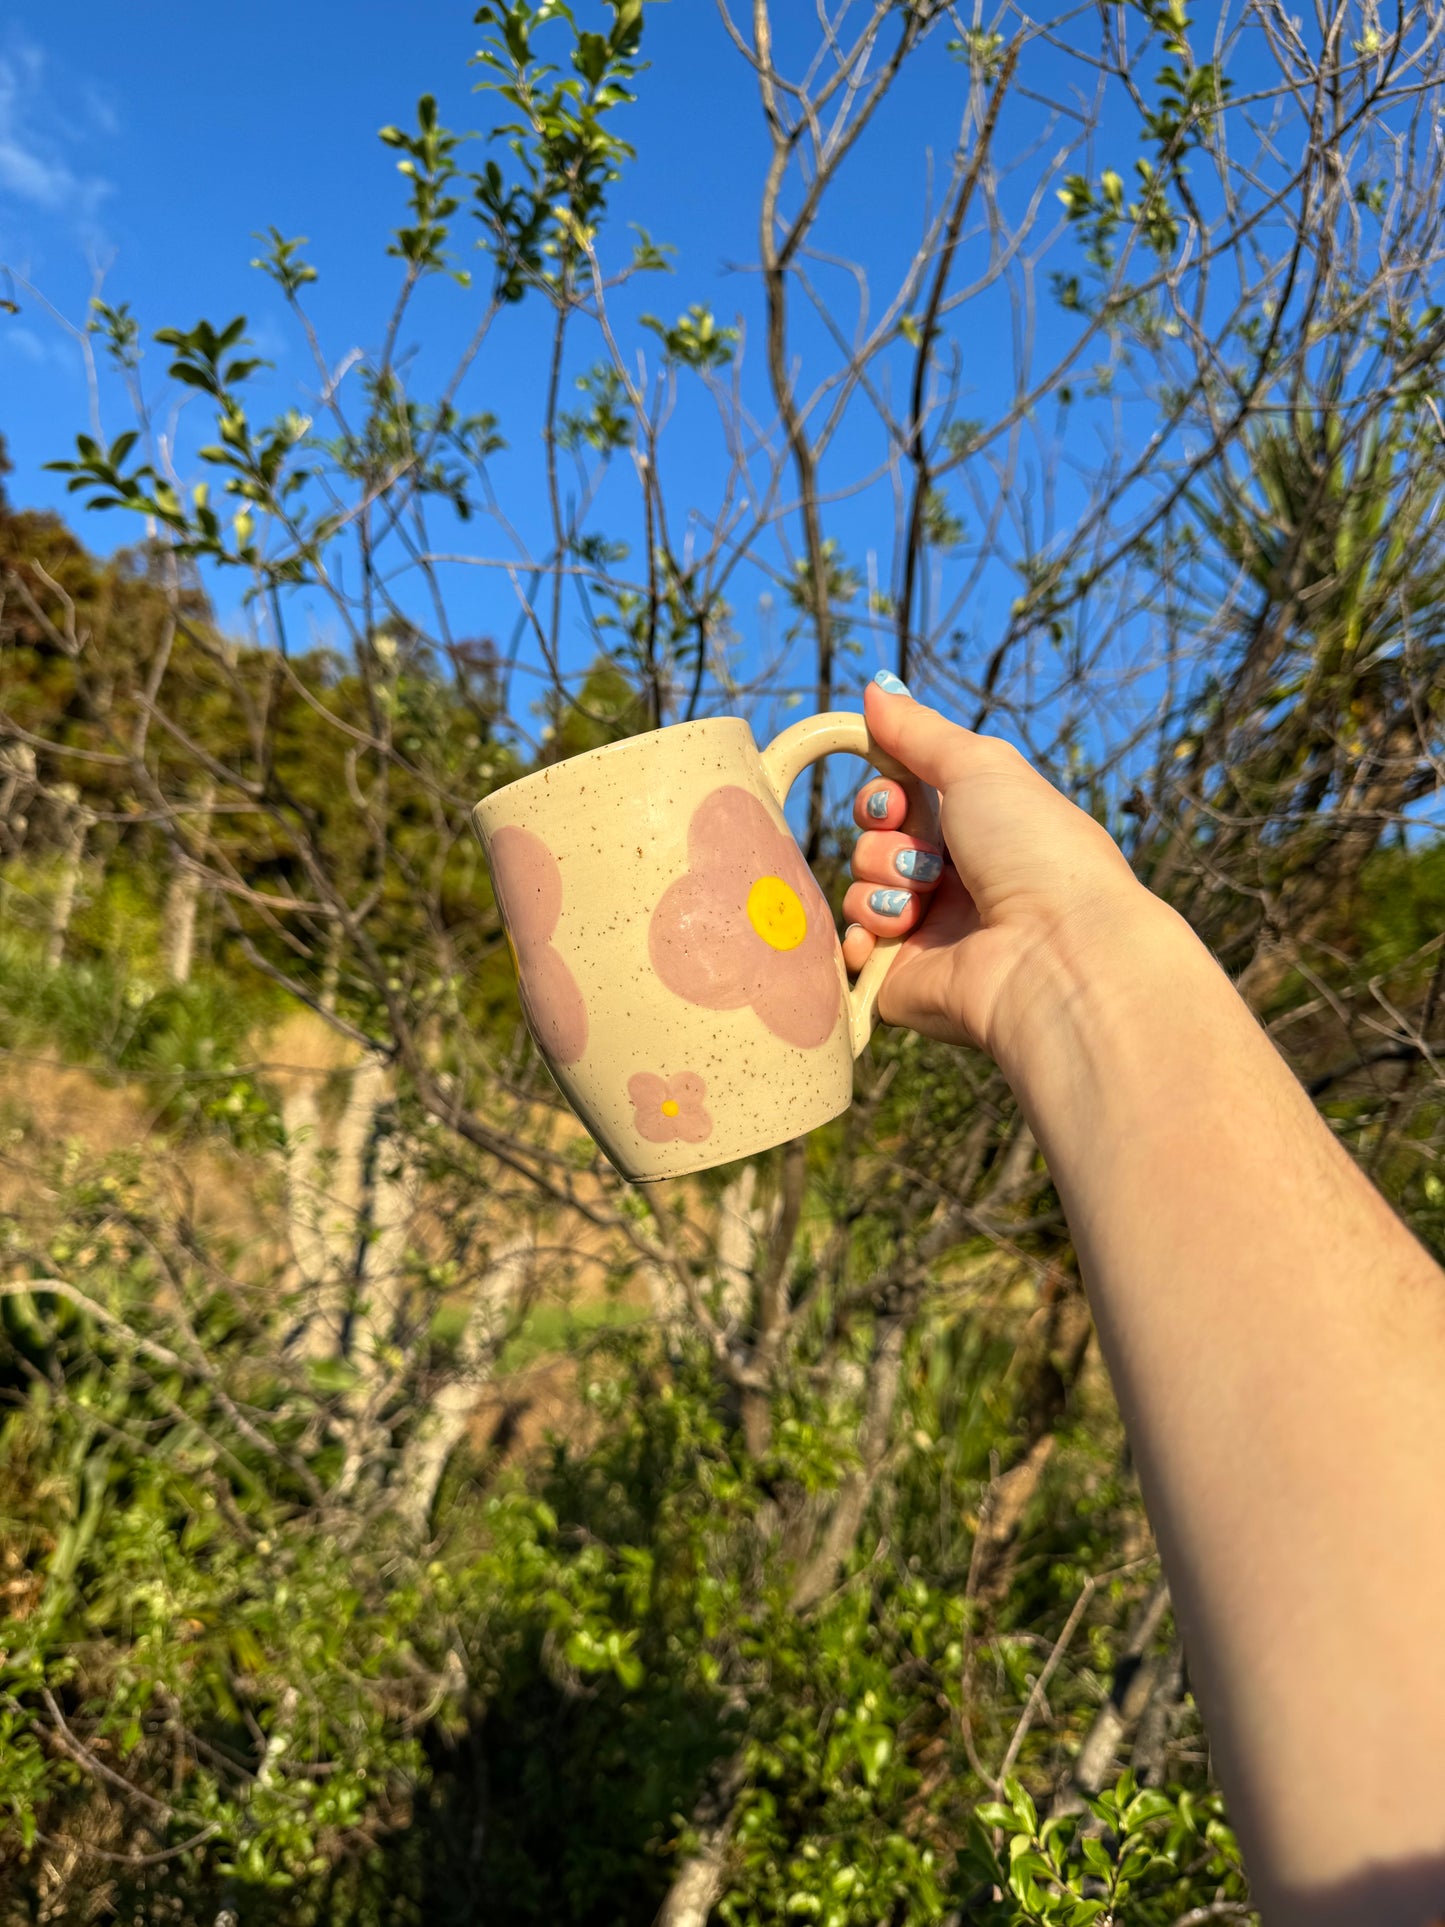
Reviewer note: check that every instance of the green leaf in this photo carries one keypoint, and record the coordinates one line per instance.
(333, 1375)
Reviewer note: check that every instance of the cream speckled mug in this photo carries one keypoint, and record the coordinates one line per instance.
(679, 966)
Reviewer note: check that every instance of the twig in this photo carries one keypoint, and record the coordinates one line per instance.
(1035, 1698)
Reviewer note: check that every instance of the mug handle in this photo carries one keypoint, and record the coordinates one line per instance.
(784, 760)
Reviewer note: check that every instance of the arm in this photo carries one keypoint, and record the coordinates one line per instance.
(1275, 1336)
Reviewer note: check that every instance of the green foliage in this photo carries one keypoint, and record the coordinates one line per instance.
(576, 1657)
(120, 331)
(560, 138)
(550, 1330)
(1134, 1854)
(436, 448)
(607, 424)
(981, 49)
(695, 340)
(167, 1583)
(607, 709)
(258, 465)
(189, 1044)
(283, 263)
(429, 163)
(1188, 100)
(201, 356)
(1400, 908)
(840, 1824)
(943, 528)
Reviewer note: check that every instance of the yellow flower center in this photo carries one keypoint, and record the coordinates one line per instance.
(670, 1107)
(776, 912)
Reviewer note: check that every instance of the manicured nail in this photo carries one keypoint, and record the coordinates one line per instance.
(922, 865)
(889, 903)
(851, 928)
(889, 683)
(878, 804)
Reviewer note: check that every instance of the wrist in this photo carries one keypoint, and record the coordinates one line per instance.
(1085, 982)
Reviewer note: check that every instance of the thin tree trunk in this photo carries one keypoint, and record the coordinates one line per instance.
(326, 1191)
(183, 895)
(698, 1882)
(1007, 1501)
(1048, 1378)
(389, 1210)
(1134, 1677)
(63, 907)
(885, 1375)
(1015, 1167)
(331, 967)
(17, 786)
(771, 1318)
(1159, 1719)
(737, 1235)
(425, 1455)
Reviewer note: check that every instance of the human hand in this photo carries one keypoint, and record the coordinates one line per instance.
(1031, 888)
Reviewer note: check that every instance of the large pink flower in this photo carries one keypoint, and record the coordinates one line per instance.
(747, 923)
(528, 882)
(669, 1107)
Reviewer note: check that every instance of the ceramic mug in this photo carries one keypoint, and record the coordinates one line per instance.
(679, 966)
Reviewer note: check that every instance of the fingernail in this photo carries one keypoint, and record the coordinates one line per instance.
(878, 804)
(889, 903)
(851, 928)
(922, 865)
(889, 683)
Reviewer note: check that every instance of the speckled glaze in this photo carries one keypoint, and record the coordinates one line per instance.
(686, 1057)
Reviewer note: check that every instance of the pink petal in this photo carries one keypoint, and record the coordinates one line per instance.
(647, 1090)
(703, 946)
(700, 944)
(528, 884)
(656, 1128)
(730, 836)
(692, 1124)
(799, 1001)
(554, 1005)
(792, 867)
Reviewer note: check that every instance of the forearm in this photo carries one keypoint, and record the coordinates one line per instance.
(1277, 1343)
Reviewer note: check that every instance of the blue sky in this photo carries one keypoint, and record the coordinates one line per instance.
(153, 146)
(149, 145)
(158, 150)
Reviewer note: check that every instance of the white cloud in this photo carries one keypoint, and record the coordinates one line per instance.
(48, 184)
(33, 169)
(24, 343)
(40, 348)
(100, 109)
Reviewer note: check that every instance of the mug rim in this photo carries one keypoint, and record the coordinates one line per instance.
(545, 774)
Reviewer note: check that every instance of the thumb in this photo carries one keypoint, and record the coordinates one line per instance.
(923, 741)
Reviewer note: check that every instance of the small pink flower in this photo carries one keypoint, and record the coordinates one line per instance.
(748, 924)
(528, 882)
(669, 1107)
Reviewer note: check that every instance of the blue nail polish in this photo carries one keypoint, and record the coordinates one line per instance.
(878, 805)
(889, 683)
(922, 865)
(889, 903)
